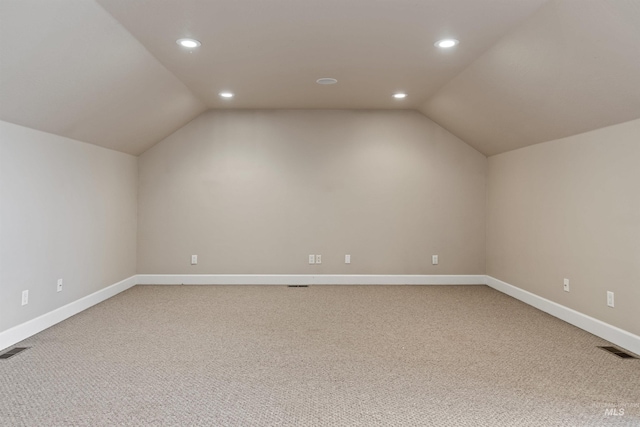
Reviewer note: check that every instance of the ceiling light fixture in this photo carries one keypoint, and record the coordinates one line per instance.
(399, 95)
(326, 81)
(189, 43)
(447, 43)
(226, 94)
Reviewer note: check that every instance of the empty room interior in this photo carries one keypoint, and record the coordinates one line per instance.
(319, 213)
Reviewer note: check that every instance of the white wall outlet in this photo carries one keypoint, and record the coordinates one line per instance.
(59, 287)
(194, 259)
(312, 259)
(347, 259)
(610, 301)
(318, 259)
(25, 297)
(565, 285)
(434, 259)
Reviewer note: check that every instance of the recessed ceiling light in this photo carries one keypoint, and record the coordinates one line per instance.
(226, 94)
(326, 81)
(190, 43)
(446, 43)
(399, 95)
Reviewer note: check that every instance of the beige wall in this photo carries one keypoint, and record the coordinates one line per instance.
(67, 210)
(258, 191)
(571, 209)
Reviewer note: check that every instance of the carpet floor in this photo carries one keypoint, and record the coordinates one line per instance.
(316, 356)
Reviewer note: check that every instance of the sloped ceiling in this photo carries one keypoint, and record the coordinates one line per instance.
(572, 67)
(109, 72)
(67, 67)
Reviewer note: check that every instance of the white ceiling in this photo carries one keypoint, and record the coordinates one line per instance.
(67, 67)
(572, 67)
(109, 72)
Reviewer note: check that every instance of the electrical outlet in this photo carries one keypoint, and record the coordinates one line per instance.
(434, 259)
(59, 288)
(610, 301)
(565, 285)
(25, 297)
(318, 259)
(194, 259)
(347, 259)
(312, 259)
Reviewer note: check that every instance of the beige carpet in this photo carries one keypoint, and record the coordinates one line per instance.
(317, 356)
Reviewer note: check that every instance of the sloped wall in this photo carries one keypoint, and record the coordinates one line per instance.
(570, 208)
(258, 191)
(67, 210)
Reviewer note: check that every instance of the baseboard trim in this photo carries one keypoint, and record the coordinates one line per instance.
(601, 329)
(308, 279)
(25, 330)
(611, 333)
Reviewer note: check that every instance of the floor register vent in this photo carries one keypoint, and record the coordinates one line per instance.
(12, 352)
(620, 353)
(297, 286)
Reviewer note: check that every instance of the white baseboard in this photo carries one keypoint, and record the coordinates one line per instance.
(308, 279)
(613, 334)
(601, 329)
(25, 330)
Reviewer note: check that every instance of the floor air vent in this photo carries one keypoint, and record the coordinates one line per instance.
(297, 286)
(620, 353)
(12, 352)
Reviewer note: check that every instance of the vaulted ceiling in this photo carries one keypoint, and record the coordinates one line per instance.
(109, 72)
